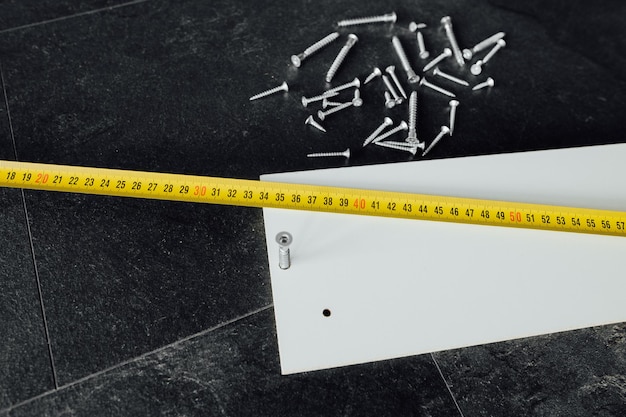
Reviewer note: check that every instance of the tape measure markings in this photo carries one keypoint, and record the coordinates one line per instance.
(189, 188)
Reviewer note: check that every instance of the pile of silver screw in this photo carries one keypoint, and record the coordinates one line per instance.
(394, 92)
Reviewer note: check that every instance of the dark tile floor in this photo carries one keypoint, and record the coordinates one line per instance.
(111, 306)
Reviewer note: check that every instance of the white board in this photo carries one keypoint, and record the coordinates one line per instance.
(398, 287)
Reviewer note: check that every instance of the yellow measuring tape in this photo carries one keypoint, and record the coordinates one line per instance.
(198, 189)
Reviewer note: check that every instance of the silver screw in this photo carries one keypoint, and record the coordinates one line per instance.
(352, 39)
(390, 103)
(490, 82)
(311, 121)
(453, 105)
(386, 122)
(376, 72)
(447, 25)
(307, 100)
(391, 71)
(389, 17)
(444, 131)
(405, 144)
(284, 239)
(296, 60)
(421, 46)
(357, 101)
(412, 137)
(469, 53)
(410, 149)
(322, 114)
(401, 126)
(415, 26)
(477, 68)
(452, 78)
(412, 77)
(354, 83)
(447, 52)
(345, 154)
(282, 87)
(392, 90)
(436, 88)
(326, 103)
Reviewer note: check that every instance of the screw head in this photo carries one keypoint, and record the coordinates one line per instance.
(387, 121)
(284, 86)
(453, 103)
(356, 82)
(390, 69)
(377, 72)
(447, 52)
(424, 54)
(305, 101)
(403, 125)
(284, 239)
(501, 42)
(467, 54)
(321, 114)
(477, 68)
(352, 39)
(296, 61)
(357, 102)
(393, 17)
(413, 26)
(445, 130)
(446, 20)
(490, 82)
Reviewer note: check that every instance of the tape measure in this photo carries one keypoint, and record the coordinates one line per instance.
(199, 189)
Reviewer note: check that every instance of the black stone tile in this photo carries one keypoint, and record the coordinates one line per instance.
(14, 14)
(234, 371)
(577, 373)
(25, 368)
(121, 277)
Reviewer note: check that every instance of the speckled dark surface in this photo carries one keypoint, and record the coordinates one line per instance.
(164, 86)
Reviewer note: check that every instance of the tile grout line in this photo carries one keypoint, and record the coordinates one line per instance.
(71, 16)
(447, 385)
(138, 358)
(30, 239)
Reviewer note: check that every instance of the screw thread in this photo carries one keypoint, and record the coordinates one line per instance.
(410, 149)
(282, 87)
(323, 114)
(390, 17)
(493, 51)
(437, 88)
(376, 132)
(340, 57)
(446, 53)
(420, 44)
(345, 153)
(397, 83)
(284, 258)
(458, 55)
(489, 83)
(444, 130)
(403, 58)
(353, 83)
(450, 77)
(487, 42)
(321, 43)
(390, 87)
(402, 126)
(413, 112)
